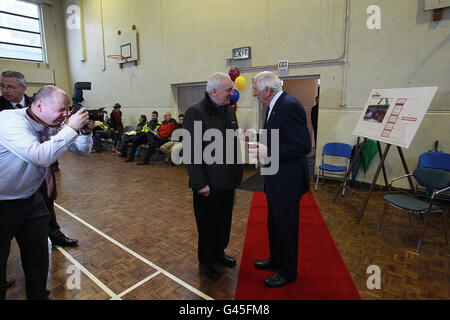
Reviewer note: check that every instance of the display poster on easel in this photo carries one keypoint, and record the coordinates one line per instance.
(393, 116)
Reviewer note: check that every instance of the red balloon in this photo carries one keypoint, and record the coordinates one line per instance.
(235, 107)
(234, 73)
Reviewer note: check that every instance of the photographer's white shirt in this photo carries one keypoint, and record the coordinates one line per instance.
(23, 158)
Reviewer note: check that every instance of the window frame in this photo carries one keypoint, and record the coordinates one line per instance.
(40, 33)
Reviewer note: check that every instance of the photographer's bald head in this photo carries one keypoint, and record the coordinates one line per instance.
(50, 108)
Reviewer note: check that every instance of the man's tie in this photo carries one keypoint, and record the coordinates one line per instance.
(19, 106)
(45, 136)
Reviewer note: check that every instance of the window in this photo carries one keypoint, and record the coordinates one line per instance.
(21, 31)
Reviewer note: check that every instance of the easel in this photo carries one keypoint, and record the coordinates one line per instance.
(380, 167)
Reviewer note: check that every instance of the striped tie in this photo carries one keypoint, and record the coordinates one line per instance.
(45, 136)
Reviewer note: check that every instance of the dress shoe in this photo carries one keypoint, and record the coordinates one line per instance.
(10, 283)
(65, 242)
(129, 160)
(227, 261)
(210, 271)
(142, 163)
(276, 281)
(122, 155)
(265, 264)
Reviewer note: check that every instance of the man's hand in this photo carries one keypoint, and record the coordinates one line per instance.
(78, 120)
(204, 191)
(247, 135)
(257, 150)
(88, 128)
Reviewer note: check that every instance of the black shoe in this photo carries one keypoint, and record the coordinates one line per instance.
(129, 160)
(227, 261)
(209, 271)
(142, 163)
(122, 155)
(65, 242)
(276, 281)
(265, 264)
(10, 283)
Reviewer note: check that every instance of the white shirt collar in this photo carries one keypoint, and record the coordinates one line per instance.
(272, 103)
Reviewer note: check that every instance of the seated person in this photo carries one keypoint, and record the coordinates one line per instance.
(162, 136)
(130, 136)
(148, 130)
(102, 130)
(172, 146)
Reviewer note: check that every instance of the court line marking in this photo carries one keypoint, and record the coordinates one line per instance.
(120, 295)
(88, 274)
(136, 255)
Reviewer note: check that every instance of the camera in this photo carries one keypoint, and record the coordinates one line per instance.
(77, 99)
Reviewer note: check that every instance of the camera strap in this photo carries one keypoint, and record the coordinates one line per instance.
(36, 118)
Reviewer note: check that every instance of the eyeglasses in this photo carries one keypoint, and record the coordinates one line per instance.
(4, 86)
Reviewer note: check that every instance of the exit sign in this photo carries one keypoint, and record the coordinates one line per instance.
(241, 53)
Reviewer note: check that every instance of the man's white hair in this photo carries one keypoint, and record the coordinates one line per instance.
(268, 79)
(215, 81)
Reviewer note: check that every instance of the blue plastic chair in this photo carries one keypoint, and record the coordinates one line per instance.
(436, 160)
(336, 149)
(437, 180)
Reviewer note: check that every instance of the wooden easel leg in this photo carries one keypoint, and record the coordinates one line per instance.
(341, 185)
(386, 182)
(374, 182)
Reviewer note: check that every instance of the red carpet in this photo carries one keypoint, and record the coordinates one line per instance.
(322, 274)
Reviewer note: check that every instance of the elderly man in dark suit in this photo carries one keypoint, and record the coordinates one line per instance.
(213, 182)
(284, 188)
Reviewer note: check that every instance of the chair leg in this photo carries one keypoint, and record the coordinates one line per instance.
(317, 180)
(345, 184)
(422, 233)
(380, 221)
(444, 218)
(410, 218)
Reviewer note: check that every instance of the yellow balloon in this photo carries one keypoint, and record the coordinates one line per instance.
(240, 83)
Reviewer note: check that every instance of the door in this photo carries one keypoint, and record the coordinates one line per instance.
(188, 95)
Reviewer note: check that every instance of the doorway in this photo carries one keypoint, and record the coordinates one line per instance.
(188, 95)
(305, 90)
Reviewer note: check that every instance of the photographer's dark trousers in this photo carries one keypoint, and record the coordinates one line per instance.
(213, 217)
(136, 142)
(27, 221)
(54, 230)
(152, 145)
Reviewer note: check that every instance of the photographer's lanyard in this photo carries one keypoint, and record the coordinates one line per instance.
(35, 118)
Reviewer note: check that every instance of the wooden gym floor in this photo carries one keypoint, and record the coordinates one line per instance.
(138, 239)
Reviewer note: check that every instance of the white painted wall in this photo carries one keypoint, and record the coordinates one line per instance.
(184, 41)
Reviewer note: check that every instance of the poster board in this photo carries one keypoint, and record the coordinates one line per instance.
(393, 116)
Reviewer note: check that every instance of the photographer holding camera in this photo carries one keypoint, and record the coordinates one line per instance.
(27, 153)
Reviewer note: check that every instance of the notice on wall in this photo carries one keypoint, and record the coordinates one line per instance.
(393, 116)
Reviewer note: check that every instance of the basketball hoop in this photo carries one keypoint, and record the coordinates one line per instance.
(118, 57)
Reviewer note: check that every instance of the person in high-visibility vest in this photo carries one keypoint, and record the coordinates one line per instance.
(141, 137)
(130, 136)
(102, 132)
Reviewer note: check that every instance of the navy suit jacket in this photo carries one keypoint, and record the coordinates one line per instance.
(292, 178)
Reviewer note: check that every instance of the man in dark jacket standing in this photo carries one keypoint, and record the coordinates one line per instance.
(284, 188)
(213, 183)
(13, 88)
